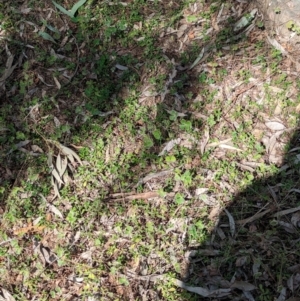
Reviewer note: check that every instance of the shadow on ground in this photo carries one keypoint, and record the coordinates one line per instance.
(253, 251)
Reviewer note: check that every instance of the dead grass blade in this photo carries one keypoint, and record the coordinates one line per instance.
(132, 197)
(253, 218)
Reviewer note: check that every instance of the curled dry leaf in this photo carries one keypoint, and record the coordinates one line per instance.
(36, 149)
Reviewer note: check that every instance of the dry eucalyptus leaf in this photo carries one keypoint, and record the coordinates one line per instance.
(231, 222)
(58, 85)
(199, 191)
(296, 219)
(218, 293)
(56, 122)
(121, 67)
(70, 153)
(171, 144)
(276, 45)
(275, 125)
(204, 140)
(221, 233)
(56, 176)
(6, 296)
(295, 268)
(293, 282)
(226, 146)
(282, 296)
(241, 261)
(36, 149)
(287, 227)
(53, 209)
(244, 286)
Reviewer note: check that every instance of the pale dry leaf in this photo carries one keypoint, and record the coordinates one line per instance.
(163, 173)
(37, 149)
(214, 213)
(249, 296)
(56, 122)
(169, 146)
(64, 164)
(53, 209)
(67, 151)
(221, 233)
(276, 45)
(293, 282)
(253, 218)
(244, 286)
(55, 187)
(204, 140)
(87, 255)
(282, 296)
(49, 160)
(241, 261)
(46, 253)
(76, 237)
(121, 67)
(256, 266)
(231, 222)
(197, 60)
(37, 220)
(275, 125)
(43, 81)
(215, 144)
(218, 293)
(230, 147)
(58, 162)
(296, 219)
(245, 167)
(287, 227)
(22, 143)
(9, 68)
(57, 83)
(199, 191)
(295, 268)
(181, 30)
(56, 176)
(6, 295)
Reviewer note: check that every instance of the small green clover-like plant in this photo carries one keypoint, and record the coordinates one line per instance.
(277, 10)
(290, 25)
(293, 27)
(71, 13)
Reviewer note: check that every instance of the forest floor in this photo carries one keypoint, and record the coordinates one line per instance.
(149, 151)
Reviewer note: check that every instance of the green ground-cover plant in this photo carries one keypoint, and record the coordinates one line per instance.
(120, 151)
